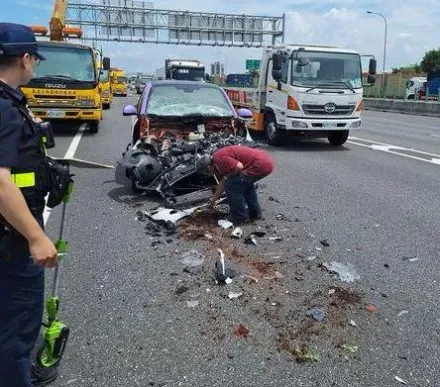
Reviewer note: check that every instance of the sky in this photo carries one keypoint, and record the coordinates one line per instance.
(413, 29)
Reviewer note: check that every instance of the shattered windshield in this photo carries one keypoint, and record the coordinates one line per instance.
(326, 68)
(182, 100)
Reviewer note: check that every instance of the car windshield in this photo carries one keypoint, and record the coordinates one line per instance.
(182, 100)
(311, 68)
(69, 62)
(182, 74)
(122, 79)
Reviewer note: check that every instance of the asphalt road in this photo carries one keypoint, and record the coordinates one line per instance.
(375, 203)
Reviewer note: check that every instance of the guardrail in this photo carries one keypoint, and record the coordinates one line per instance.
(419, 108)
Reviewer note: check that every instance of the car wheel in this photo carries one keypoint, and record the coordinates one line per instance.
(338, 138)
(94, 127)
(273, 133)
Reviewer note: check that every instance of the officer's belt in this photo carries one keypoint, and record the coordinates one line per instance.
(24, 180)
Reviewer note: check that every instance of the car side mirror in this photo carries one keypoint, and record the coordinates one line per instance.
(372, 67)
(106, 63)
(245, 114)
(129, 110)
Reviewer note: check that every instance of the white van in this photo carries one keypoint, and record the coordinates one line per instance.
(413, 85)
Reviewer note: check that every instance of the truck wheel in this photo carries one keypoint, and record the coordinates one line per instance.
(94, 127)
(338, 138)
(105, 106)
(273, 133)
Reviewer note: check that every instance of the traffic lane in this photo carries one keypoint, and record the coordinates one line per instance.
(416, 132)
(117, 296)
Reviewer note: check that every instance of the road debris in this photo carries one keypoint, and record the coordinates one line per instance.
(209, 236)
(371, 308)
(241, 331)
(250, 240)
(346, 273)
(318, 314)
(311, 258)
(192, 303)
(225, 224)
(192, 258)
(237, 233)
(169, 215)
(272, 199)
(325, 243)
(276, 239)
(259, 234)
(411, 259)
(232, 295)
(400, 380)
(402, 313)
(181, 289)
(352, 323)
(248, 276)
(160, 228)
(223, 271)
(350, 347)
(281, 217)
(331, 291)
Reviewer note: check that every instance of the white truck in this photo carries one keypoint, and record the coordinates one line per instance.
(182, 69)
(306, 91)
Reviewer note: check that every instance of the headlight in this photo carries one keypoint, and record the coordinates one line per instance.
(356, 124)
(85, 103)
(299, 124)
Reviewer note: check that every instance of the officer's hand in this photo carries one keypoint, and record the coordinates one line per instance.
(43, 252)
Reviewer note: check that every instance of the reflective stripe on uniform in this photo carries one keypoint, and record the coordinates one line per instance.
(24, 180)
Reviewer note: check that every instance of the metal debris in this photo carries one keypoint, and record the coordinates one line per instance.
(223, 271)
(346, 273)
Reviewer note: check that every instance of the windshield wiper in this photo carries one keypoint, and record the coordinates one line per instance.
(332, 83)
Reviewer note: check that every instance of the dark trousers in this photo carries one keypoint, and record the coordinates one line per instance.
(21, 314)
(242, 197)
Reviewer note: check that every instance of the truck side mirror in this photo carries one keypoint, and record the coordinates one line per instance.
(277, 61)
(277, 75)
(372, 67)
(371, 79)
(106, 63)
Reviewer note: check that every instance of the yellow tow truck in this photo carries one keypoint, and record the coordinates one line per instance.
(67, 85)
(119, 82)
(104, 82)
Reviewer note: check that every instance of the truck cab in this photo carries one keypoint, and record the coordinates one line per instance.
(119, 82)
(66, 86)
(306, 91)
(184, 70)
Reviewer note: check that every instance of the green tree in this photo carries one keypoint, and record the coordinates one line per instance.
(431, 61)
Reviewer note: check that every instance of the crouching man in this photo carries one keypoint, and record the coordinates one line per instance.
(239, 167)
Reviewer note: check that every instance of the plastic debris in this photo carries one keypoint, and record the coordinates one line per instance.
(311, 258)
(209, 236)
(250, 240)
(325, 243)
(169, 215)
(241, 331)
(400, 380)
(317, 314)
(278, 275)
(281, 217)
(410, 259)
(225, 224)
(352, 323)
(331, 291)
(223, 271)
(371, 308)
(346, 273)
(276, 239)
(350, 347)
(234, 295)
(237, 233)
(192, 303)
(402, 313)
(192, 258)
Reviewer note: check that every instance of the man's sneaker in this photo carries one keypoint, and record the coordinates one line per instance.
(238, 222)
(256, 217)
(41, 377)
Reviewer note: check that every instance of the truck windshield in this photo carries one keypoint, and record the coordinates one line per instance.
(68, 62)
(122, 79)
(325, 69)
(183, 74)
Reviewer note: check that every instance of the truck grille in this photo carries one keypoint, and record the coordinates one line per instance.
(321, 110)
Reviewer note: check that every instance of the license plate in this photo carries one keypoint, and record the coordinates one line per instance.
(55, 114)
(329, 125)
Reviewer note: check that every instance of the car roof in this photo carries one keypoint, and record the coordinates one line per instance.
(176, 82)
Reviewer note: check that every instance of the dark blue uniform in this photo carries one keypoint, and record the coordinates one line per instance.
(21, 281)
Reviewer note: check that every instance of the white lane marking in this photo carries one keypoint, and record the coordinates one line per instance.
(69, 155)
(387, 148)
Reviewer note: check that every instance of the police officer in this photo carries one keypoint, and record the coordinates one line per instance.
(25, 250)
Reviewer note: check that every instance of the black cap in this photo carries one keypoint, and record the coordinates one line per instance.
(17, 40)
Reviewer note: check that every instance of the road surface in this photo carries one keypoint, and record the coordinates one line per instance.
(375, 200)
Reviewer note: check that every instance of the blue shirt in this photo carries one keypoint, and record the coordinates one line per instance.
(11, 127)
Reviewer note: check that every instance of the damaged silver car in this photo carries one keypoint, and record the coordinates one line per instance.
(176, 123)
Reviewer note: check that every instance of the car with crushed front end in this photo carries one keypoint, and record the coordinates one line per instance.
(176, 122)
